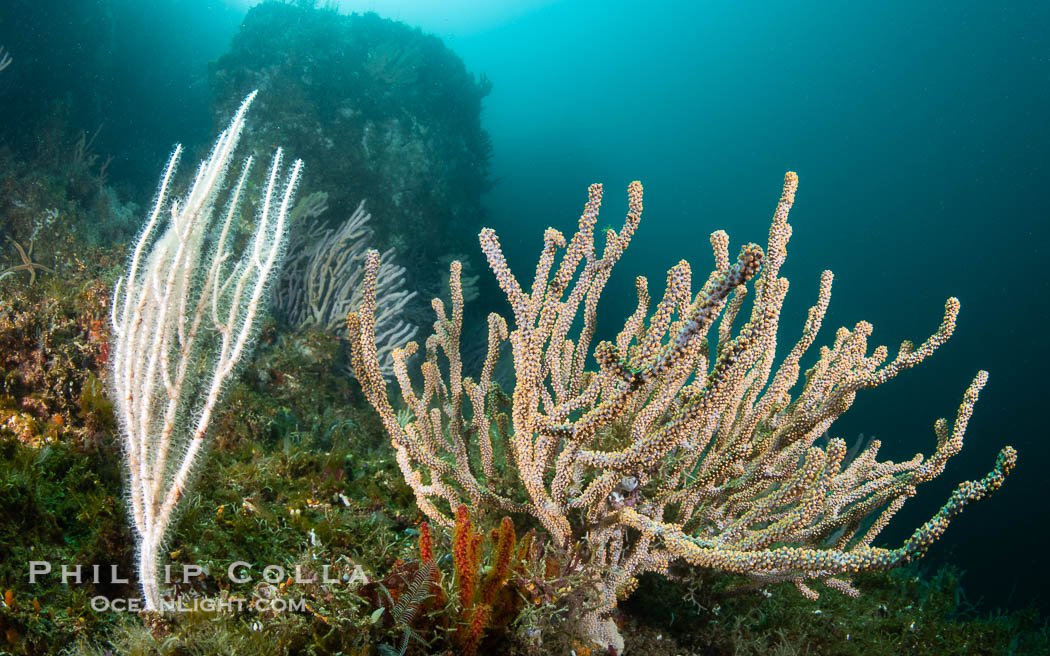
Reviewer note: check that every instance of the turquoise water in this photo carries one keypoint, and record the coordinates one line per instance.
(919, 134)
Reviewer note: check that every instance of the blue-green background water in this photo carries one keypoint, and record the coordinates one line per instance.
(919, 132)
(920, 135)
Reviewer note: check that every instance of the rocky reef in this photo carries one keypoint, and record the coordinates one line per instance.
(300, 473)
(378, 110)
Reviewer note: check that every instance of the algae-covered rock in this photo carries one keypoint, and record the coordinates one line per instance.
(377, 110)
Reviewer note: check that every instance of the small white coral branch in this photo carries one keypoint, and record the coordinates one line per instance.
(5, 59)
(322, 282)
(182, 319)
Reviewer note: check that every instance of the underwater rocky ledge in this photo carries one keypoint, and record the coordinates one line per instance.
(300, 473)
